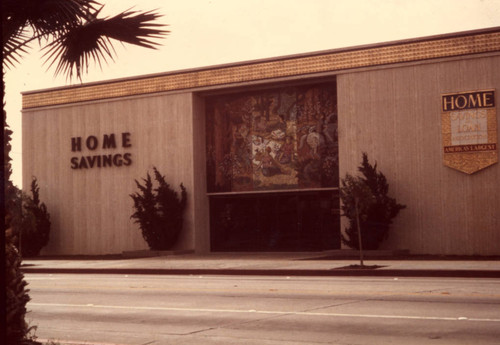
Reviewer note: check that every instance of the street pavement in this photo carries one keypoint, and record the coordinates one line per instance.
(226, 310)
(321, 264)
(331, 263)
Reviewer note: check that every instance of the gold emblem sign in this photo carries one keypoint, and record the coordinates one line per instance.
(469, 128)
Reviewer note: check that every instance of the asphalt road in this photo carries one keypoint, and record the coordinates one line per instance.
(142, 309)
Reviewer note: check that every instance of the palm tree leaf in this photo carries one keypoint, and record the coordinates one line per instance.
(43, 17)
(92, 40)
(131, 27)
(15, 48)
(78, 36)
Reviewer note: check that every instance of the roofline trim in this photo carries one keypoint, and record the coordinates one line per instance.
(418, 49)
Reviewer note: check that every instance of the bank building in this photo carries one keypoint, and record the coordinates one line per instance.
(262, 145)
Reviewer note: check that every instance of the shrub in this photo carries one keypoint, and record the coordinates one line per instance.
(16, 296)
(159, 211)
(30, 221)
(376, 208)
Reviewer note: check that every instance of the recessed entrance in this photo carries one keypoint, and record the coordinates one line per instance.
(272, 169)
(304, 221)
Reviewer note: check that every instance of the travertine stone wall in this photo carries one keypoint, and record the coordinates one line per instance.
(394, 114)
(90, 208)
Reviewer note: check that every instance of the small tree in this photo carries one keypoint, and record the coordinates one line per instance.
(32, 243)
(159, 211)
(357, 200)
(376, 209)
(30, 222)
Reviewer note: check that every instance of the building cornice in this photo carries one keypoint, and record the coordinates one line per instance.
(443, 46)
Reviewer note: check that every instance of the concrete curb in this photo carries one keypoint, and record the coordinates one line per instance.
(448, 273)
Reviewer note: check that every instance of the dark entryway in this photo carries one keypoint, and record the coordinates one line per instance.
(294, 221)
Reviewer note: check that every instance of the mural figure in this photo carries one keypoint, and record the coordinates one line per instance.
(260, 124)
(242, 148)
(329, 128)
(286, 151)
(268, 164)
(313, 139)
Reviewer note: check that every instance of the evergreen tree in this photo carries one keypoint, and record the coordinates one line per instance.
(159, 211)
(30, 222)
(378, 211)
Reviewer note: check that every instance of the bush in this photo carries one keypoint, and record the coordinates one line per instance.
(16, 296)
(376, 208)
(30, 221)
(159, 211)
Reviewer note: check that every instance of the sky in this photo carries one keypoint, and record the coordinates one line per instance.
(212, 32)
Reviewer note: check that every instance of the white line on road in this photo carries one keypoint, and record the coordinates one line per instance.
(303, 313)
(71, 342)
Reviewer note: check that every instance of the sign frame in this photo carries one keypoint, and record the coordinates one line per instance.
(469, 130)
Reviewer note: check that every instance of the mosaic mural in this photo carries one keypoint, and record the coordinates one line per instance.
(273, 140)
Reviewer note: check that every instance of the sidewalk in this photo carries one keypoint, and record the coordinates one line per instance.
(283, 264)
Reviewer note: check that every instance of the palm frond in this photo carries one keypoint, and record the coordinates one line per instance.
(131, 27)
(46, 17)
(26, 20)
(15, 48)
(92, 40)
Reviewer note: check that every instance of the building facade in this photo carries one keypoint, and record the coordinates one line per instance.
(261, 146)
